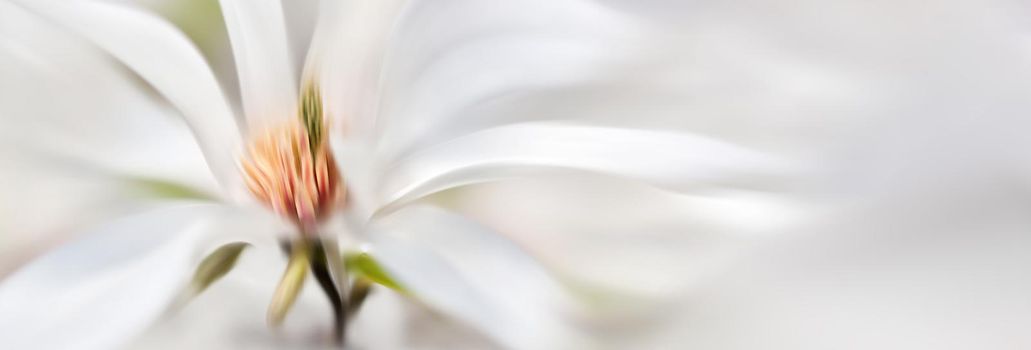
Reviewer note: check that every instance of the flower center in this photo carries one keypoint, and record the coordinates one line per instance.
(291, 170)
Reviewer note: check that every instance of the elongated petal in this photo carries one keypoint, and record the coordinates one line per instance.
(63, 96)
(103, 289)
(166, 59)
(476, 276)
(123, 273)
(448, 58)
(625, 241)
(670, 160)
(346, 57)
(257, 31)
(77, 132)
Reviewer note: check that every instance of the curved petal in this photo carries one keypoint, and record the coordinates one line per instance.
(624, 239)
(257, 32)
(346, 57)
(160, 54)
(476, 276)
(78, 135)
(105, 288)
(449, 56)
(670, 160)
(123, 273)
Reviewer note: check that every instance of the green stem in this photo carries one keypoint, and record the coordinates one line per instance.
(320, 270)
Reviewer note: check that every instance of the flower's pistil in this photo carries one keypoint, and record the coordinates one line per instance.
(293, 173)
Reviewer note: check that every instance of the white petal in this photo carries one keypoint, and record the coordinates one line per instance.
(160, 54)
(613, 235)
(123, 274)
(346, 57)
(450, 57)
(257, 31)
(358, 168)
(476, 276)
(77, 129)
(100, 291)
(670, 160)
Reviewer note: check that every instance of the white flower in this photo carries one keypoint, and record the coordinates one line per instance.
(395, 83)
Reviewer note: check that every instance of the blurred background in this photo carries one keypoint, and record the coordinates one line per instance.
(909, 229)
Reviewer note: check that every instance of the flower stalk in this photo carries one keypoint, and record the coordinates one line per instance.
(321, 270)
(317, 256)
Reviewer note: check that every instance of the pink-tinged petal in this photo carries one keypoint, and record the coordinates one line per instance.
(167, 60)
(257, 32)
(669, 160)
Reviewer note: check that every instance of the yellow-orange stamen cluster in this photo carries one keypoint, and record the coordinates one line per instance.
(293, 176)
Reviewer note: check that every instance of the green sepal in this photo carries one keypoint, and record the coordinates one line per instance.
(215, 266)
(363, 265)
(290, 285)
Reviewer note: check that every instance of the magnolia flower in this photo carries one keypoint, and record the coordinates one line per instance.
(340, 162)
